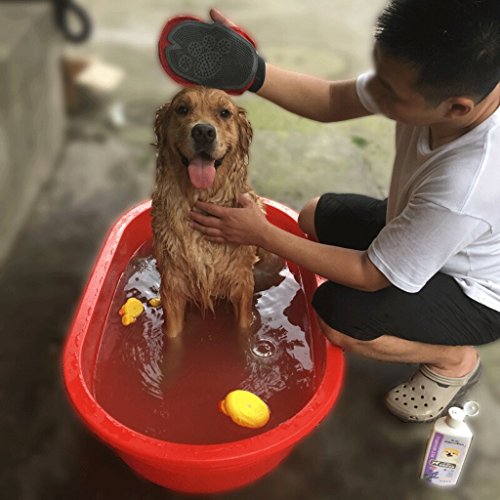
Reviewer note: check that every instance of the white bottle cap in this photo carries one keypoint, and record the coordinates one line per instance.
(471, 408)
(455, 416)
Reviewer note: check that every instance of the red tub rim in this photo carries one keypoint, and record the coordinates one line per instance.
(132, 442)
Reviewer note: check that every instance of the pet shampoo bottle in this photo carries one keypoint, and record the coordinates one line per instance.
(447, 448)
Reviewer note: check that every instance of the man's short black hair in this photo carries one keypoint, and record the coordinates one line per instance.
(454, 44)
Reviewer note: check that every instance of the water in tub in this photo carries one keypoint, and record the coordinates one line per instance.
(170, 388)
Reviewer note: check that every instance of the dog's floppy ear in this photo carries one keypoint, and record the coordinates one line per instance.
(160, 126)
(245, 130)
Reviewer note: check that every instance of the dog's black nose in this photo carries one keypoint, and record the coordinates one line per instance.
(203, 134)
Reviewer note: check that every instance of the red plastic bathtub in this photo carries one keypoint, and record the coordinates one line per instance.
(186, 468)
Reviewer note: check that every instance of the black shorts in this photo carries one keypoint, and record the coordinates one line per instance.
(440, 313)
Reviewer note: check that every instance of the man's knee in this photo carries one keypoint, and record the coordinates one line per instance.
(337, 338)
(306, 217)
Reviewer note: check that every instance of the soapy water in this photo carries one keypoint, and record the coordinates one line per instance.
(169, 388)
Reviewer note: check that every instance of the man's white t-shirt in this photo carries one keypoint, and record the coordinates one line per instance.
(443, 210)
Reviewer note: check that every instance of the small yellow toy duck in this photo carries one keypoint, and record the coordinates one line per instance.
(245, 409)
(130, 311)
(154, 302)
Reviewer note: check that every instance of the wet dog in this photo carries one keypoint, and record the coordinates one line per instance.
(202, 141)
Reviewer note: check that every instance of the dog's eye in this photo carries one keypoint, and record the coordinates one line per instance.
(182, 110)
(225, 113)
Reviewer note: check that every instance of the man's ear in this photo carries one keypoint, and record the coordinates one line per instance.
(458, 107)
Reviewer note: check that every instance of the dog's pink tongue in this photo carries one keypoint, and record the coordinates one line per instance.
(201, 172)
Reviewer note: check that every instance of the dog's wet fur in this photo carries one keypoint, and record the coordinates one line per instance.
(202, 141)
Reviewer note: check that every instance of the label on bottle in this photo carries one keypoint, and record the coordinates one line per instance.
(444, 459)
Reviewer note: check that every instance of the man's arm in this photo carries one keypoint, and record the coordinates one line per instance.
(248, 226)
(312, 97)
(304, 95)
(345, 266)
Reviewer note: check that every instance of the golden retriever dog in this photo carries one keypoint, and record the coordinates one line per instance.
(202, 141)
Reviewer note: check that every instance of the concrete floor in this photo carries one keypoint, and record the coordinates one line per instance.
(360, 451)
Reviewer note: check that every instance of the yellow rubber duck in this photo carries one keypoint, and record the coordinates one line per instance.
(130, 311)
(154, 302)
(246, 409)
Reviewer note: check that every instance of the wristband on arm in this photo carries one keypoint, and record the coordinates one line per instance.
(193, 52)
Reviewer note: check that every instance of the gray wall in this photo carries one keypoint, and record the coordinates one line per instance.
(31, 110)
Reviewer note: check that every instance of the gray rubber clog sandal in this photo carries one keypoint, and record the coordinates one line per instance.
(427, 395)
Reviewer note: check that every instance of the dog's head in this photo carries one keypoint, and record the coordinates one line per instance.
(451, 453)
(201, 132)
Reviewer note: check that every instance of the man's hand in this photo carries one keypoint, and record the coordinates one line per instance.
(218, 17)
(244, 225)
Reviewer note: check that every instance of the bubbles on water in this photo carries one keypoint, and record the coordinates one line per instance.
(264, 348)
(144, 346)
(144, 278)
